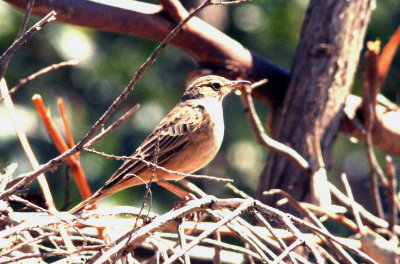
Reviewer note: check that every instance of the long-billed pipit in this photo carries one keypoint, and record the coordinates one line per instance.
(186, 140)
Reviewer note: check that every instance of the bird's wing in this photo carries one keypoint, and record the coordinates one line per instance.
(170, 136)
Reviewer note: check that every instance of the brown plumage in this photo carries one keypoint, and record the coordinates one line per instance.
(186, 140)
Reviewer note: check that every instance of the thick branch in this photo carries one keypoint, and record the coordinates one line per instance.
(209, 46)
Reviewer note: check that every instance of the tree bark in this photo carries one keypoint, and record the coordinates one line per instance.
(326, 59)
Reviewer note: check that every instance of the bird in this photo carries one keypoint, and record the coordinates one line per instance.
(185, 141)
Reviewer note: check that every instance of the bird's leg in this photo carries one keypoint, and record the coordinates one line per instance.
(184, 195)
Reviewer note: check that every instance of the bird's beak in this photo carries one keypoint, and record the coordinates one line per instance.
(238, 84)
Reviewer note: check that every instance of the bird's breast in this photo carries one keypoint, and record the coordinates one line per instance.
(216, 126)
(207, 141)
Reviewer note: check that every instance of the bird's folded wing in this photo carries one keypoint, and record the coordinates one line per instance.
(169, 137)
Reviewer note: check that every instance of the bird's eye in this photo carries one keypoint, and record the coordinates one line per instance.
(216, 86)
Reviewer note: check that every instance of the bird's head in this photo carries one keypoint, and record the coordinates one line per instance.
(211, 86)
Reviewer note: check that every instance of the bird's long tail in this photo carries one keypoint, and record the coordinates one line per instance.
(97, 196)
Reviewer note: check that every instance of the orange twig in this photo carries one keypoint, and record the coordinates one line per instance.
(386, 57)
(61, 146)
(63, 114)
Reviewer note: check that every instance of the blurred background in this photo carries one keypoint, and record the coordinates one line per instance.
(108, 62)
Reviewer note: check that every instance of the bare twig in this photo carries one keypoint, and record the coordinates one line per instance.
(182, 240)
(371, 89)
(367, 217)
(235, 190)
(239, 210)
(113, 126)
(238, 226)
(273, 233)
(27, 35)
(217, 248)
(391, 193)
(25, 144)
(269, 210)
(20, 245)
(27, 15)
(263, 138)
(354, 208)
(153, 165)
(304, 211)
(288, 250)
(6, 175)
(6, 60)
(220, 244)
(64, 117)
(262, 220)
(33, 76)
(338, 218)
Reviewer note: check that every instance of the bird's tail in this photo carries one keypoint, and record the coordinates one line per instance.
(97, 196)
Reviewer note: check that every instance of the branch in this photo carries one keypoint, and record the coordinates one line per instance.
(209, 46)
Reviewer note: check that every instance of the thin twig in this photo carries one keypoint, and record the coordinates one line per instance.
(334, 216)
(25, 144)
(336, 248)
(64, 117)
(354, 208)
(282, 244)
(153, 165)
(239, 210)
(371, 89)
(6, 175)
(35, 75)
(145, 231)
(4, 63)
(20, 245)
(220, 244)
(269, 210)
(238, 227)
(261, 219)
(113, 126)
(217, 248)
(301, 237)
(235, 190)
(55, 213)
(24, 24)
(288, 250)
(391, 193)
(182, 240)
(365, 214)
(27, 35)
(263, 138)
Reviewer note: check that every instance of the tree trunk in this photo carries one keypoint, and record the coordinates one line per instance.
(325, 63)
